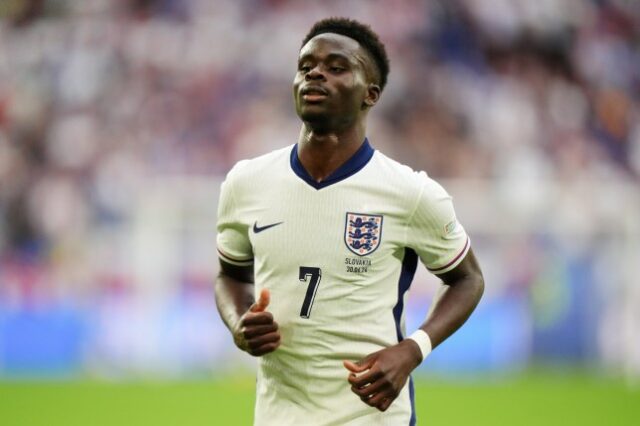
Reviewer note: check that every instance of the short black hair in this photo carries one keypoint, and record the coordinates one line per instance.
(361, 33)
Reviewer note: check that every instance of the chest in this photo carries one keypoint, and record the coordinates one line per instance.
(350, 233)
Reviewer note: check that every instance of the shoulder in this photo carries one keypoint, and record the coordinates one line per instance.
(415, 190)
(403, 176)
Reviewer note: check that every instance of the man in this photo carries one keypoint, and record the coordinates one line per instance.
(327, 234)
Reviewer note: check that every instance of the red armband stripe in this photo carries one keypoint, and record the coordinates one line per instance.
(455, 259)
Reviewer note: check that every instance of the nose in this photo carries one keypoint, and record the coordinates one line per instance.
(314, 74)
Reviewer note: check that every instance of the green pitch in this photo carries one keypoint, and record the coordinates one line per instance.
(533, 399)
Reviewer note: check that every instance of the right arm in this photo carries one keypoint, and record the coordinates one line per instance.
(253, 328)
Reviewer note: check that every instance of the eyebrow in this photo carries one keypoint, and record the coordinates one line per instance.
(329, 57)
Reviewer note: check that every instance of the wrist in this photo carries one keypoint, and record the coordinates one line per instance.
(423, 341)
(413, 352)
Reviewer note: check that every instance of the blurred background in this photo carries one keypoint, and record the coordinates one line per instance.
(119, 119)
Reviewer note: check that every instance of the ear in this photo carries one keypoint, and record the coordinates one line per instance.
(373, 94)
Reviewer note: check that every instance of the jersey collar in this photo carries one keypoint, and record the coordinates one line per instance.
(349, 168)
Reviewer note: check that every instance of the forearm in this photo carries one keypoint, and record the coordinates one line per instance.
(233, 298)
(452, 307)
(251, 325)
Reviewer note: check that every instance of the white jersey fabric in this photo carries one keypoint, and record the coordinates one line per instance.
(338, 258)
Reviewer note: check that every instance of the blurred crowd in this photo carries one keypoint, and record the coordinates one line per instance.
(101, 98)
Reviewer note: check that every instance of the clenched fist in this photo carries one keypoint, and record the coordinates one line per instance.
(256, 332)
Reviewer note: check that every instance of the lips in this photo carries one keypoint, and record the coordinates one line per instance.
(314, 90)
(313, 93)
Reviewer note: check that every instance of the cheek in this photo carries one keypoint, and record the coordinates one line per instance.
(297, 80)
(350, 88)
(294, 88)
(354, 94)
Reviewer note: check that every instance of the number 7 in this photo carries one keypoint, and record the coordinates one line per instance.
(315, 274)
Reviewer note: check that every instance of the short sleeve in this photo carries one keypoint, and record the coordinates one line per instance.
(233, 238)
(434, 232)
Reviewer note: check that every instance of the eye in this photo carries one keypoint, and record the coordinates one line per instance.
(304, 68)
(336, 69)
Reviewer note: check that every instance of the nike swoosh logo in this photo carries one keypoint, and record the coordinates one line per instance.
(257, 229)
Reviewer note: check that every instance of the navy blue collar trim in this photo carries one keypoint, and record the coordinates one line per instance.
(351, 167)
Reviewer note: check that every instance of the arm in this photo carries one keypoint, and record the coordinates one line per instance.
(253, 328)
(378, 378)
(461, 294)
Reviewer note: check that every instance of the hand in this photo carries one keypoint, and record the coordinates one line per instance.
(379, 377)
(256, 332)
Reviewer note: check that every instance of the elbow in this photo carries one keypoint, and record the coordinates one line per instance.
(478, 286)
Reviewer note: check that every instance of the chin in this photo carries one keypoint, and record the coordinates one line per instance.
(310, 116)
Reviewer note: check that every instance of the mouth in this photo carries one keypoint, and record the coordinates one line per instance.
(313, 93)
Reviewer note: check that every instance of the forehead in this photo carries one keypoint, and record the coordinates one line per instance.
(330, 43)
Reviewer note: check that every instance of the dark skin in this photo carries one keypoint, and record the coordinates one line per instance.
(252, 327)
(334, 89)
(379, 377)
(334, 125)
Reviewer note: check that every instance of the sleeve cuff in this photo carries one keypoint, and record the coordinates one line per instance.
(454, 262)
(234, 260)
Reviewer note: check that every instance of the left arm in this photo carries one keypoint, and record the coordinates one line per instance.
(379, 377)
(463, 289)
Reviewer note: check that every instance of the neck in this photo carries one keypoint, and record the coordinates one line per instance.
(323, 152)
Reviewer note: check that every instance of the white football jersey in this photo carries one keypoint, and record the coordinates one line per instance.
(338, 258)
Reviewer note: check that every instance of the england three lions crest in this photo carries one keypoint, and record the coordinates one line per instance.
(362, 232)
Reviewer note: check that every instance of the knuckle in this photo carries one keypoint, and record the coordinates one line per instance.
(256, 343)
(265, 340)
